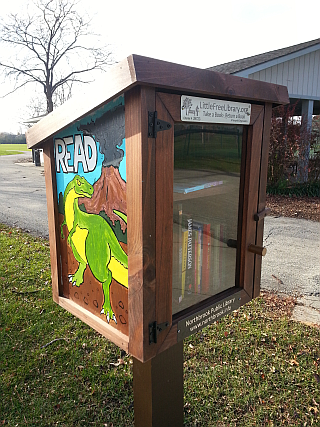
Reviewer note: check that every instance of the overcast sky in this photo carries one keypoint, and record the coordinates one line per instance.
(191, 32)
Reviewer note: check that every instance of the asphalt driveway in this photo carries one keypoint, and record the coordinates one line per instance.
(291, 266)
(23, 200)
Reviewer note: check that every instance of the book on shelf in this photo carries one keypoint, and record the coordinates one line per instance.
(196, 185)
(221, 257)
(184, 261)
(218, 258)
(177, 254)
(206, 263)
(195, 262)
(180, 243)
(215, 259)
(199, 258)
(198, 255)
(190, 256)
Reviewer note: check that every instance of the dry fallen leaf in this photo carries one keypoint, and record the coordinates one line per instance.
(120, 362)
(317, 377)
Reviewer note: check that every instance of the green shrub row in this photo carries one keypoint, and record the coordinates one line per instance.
(284, 188)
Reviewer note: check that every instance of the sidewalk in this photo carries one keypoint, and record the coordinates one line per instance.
(292, 264)
(307, 310)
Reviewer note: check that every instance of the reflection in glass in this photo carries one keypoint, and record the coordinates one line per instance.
(207, 161)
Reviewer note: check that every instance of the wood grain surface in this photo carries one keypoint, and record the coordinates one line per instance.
(138, 70)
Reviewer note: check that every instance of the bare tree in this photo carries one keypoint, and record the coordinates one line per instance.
(50, 46)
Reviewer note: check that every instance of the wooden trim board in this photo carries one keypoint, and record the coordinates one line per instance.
(117, 337)
(138, 70)
(52, 209)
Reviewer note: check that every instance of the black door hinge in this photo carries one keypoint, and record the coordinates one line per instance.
(155, 329)
(156, 125)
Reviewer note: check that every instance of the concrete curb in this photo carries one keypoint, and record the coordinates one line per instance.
(307, 310)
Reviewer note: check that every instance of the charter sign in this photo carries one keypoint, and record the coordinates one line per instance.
(205, 110)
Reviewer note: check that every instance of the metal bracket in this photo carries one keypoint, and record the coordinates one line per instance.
(155, 329)
(156, 125)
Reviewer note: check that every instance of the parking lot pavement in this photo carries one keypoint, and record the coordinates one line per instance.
(292, 262)
(291, 266)
(23, 200)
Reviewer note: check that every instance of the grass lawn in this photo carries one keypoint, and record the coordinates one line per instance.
(253, 368)
(208, 152)
(6, 149)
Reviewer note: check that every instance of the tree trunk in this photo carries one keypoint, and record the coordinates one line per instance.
(303, 162)
(49, 103)
(306, 126)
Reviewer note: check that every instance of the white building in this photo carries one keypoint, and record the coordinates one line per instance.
(297, 67)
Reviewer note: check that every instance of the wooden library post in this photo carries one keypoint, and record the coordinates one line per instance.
(156, 193)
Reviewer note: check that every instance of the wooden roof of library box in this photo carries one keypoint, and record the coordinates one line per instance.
(138, 70)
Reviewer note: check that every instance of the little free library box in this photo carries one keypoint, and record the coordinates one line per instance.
(156, 186)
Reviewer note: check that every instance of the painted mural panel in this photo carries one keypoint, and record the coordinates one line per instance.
(90, 162)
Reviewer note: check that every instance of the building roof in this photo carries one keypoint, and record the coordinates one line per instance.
(245, 63)
(140, 71)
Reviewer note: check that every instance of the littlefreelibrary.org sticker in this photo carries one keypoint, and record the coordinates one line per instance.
(204, 110)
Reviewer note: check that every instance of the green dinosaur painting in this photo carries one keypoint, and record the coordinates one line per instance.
(93, 243)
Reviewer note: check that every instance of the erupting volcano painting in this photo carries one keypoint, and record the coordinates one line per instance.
(90, 161)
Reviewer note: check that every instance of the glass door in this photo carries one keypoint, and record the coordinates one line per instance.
(207, 163)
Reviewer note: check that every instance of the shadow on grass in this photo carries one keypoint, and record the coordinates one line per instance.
(254, 367)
